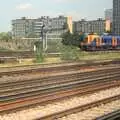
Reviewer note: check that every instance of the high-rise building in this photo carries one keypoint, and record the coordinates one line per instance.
(109, 14)
(116, 17)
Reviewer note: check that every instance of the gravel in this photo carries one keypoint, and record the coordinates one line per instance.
(39, 75)
(39, 111)
(5, 69)
(36, 66)
(95, 112)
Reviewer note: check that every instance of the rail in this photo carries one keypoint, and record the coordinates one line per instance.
(79, 108)
(53, 68)
(13, 99)
(111, 116)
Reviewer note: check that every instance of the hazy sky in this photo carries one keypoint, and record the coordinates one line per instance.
(12, 9)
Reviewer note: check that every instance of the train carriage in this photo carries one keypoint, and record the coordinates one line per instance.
(105, 42)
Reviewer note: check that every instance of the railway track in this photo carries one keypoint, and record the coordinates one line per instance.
(80, 108)
(15, 96)
(74, 78)
(115, 115)
(63, 76)
(106, 61)
(18, 54)
(24, 54)
(47, 69)
(31, 54)
(54, 68)
(104, 51)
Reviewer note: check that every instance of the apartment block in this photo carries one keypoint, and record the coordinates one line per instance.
(27, 27)
(96, 26)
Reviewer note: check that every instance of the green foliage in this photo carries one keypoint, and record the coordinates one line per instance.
(5, 36)
(66, 38)
(39, 52)
(76, 39)
(53, 45)
(39, 56)
(69, 53)
(19, 47)
(38, 45)
(72, 39)
(65, 26)
(4, 49)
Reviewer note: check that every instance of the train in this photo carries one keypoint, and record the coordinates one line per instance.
(93, 42)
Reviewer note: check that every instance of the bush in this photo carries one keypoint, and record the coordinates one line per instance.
(39, 52)
(69, 53)
(39, 56)
(72, 39)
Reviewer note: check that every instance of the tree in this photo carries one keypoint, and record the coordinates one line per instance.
(69, 53)
(5, 36)
(67, 38)
(76, 39)
(39, 51)
(72, 39)
(65, 26)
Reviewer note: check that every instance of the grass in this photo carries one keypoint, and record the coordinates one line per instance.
(81, 56)
(98, 56)
(20, 62)
(23, 62)
(53, 60)
(75, 54)
(3, 49)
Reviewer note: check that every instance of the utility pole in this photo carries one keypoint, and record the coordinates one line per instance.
(42, 35)
(46, 41)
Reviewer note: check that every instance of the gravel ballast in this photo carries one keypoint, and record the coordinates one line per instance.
(39, 111)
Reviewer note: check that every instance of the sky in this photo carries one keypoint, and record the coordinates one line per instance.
(78, 9)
